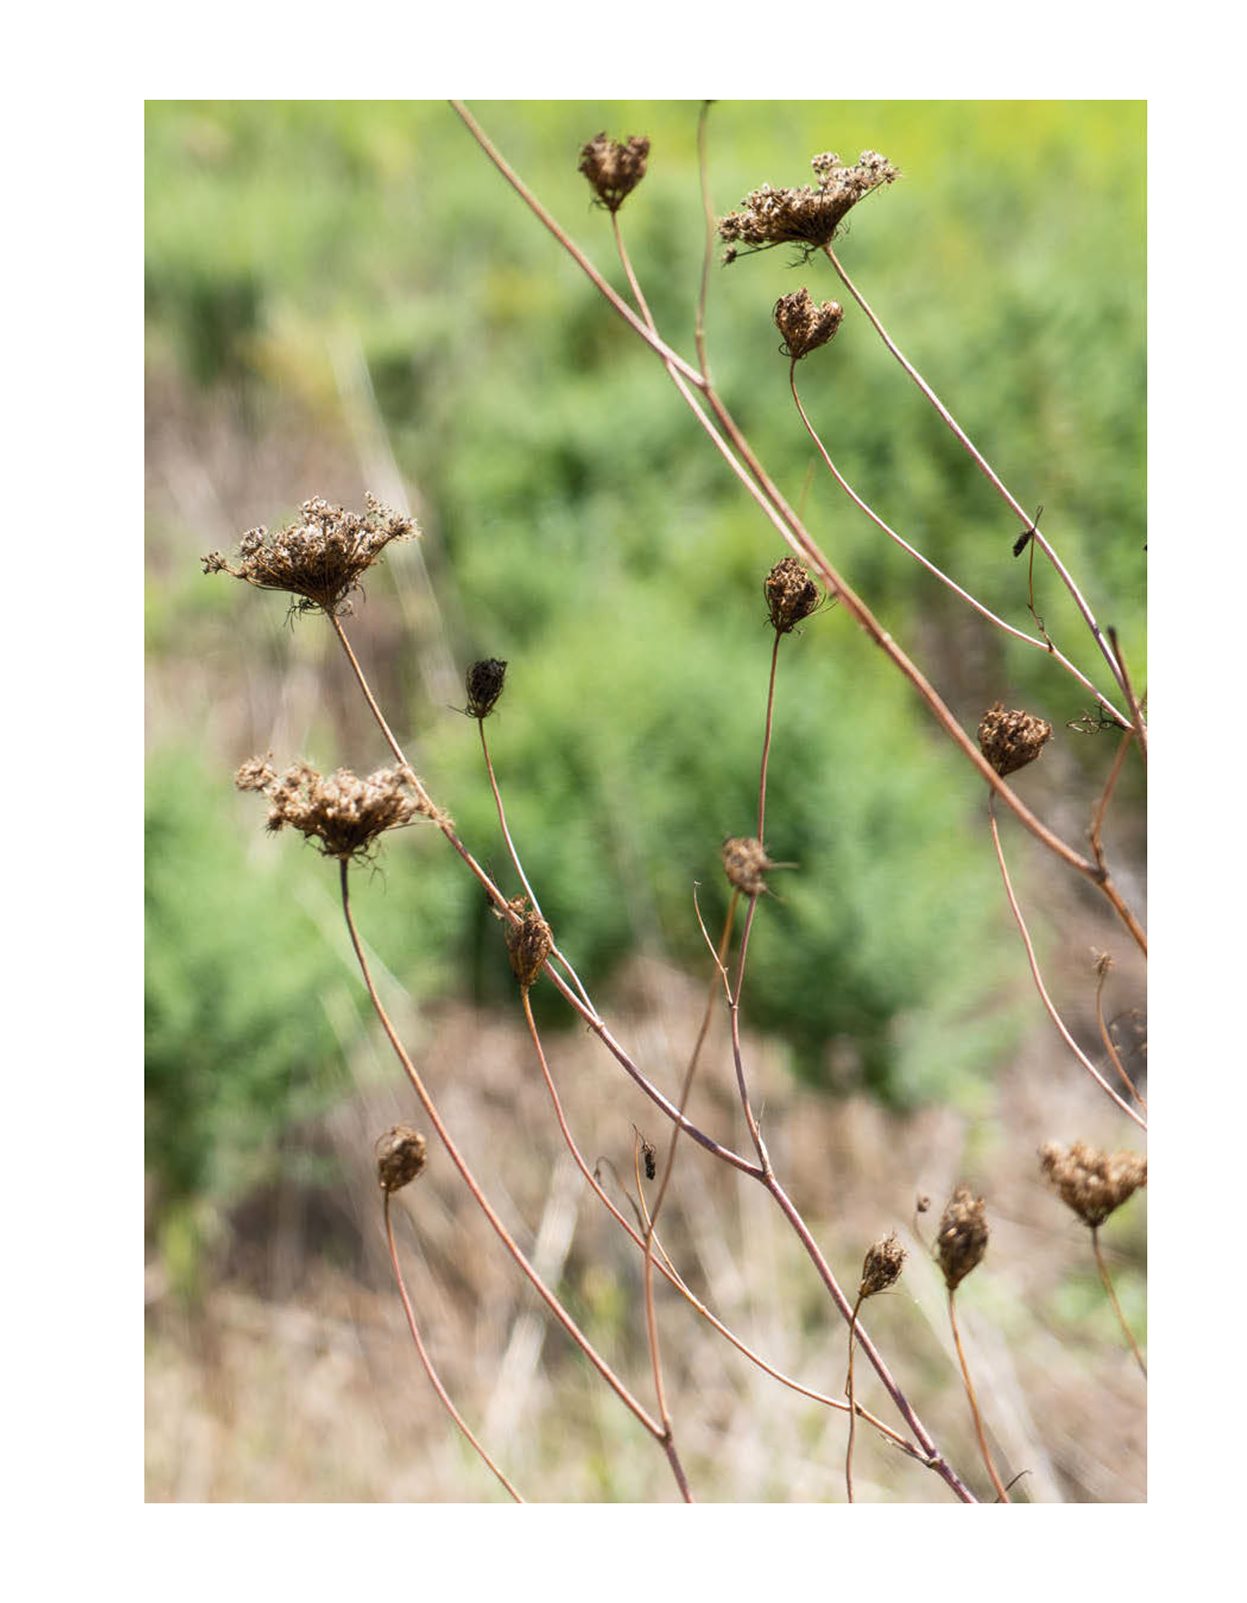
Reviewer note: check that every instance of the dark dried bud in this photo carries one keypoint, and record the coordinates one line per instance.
(923, 1203)
(529, 942)
(803, 325)
(614, 168)
(745, 860)
(1093, 1183)
(1010, 740)
(790, 594)
(650, 1159)
(484, 686)
(882, 1267)
(400, 1157)
(962, 1238)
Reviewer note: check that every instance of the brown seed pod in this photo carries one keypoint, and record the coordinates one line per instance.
(962, 1238)
(1010, 740)
(529, 942)
(745, 860)
(400, 1157)
(614, 167)
(791, 594)
(882, 1267)
(803, 325)
(484, 682)
(1092, 1183)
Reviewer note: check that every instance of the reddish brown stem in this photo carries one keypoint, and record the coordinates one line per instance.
(1002, 1496)
(1112, 1297)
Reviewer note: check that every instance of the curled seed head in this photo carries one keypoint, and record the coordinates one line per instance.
(745, 861)
(1010, 740)
(400, 1157)
(1092, 1183)
(803, 325)
(484, 686)
(882, 1267)
(790, 594)
(529, 942)
(807, 217)
(962, 1238)
(614, 167)
(342, 813)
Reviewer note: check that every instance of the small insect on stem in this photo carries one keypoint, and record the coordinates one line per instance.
(1023, 539)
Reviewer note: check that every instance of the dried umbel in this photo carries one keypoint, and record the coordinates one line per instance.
(804, 325)
(342, 813)
(962, 1238)
(809, 216)
(320, 559)
(1010, 740)
(484, 685)
(882, 1267)
(614, 167)
(790, 594)
(529, 942)
(745, 861)
(400, 1157)
(1092, 1183)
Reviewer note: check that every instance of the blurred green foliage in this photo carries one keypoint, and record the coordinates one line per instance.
(580, 526)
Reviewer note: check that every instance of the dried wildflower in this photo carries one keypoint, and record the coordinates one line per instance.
(614, 168)
(400, 1157)
(790, 594)
(650, 1159)
(882, 1267)
(529, 942)
(922, 1203)
(341, 812)
(805, 326)
(1092, 1183)
(320, 559)
(484, 686)
(745, 860)
(807, 217)
(1010, 740)
(962, 1238)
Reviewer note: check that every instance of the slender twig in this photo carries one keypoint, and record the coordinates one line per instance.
(848, 1387)
(1038, 978)
(766, 740)
(1136, 708)
(1097, 821)
(1112, 1297)
(1002, 1495)
(1110, 1046)
(425, 1359)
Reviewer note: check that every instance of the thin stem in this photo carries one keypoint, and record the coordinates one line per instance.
(737, 1057)
(707, 254)
(1097, 821)
(478, 1196)
(985, 468)
(766, 741)
(1039, 984)
(429, 1370)
(1136, 709)
(1109, 1045)
(848, 1452)
(1112, 1297)
(1002, 1496)
(1045, 646)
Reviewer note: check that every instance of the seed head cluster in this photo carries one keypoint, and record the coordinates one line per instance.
(321, 558)
(809, 216)
(614, 167)
(484, 685)
(529, 942)
(962, 1237)
(745, 861)
(1092, 1183)
(400, 1157)
(791, 594)
(1010, 740)
(342, 813)
(803, 325)
(882, 1267)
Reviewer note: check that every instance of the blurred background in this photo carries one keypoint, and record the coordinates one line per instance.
(346, 296)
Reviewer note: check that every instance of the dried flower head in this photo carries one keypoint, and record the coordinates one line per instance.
(529, 942)
(342, 813)
(1010, 740)
(790, 594)
(803, 325)
(745, 860)
(484, 685)
(962, 1238)
(613, 167)
(1092, 1183)
(400, 1157)
(650, 1159)
(319, 559)
(807, 217)
(882, 1267)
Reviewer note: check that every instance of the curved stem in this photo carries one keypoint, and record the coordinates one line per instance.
(1002, 1496)
(848, 1386)
(429, 1370)
(1112, 1297)
(766, 741)
(1109, 1045)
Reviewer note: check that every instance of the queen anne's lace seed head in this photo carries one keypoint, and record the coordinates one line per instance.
(1010, 740)
(882, 1267)
(791, 594)
(614, 167)
(804, 325)
(807, 217)
(962, 1238)
(400, 1157)
(342, 813)
(1092, 1183)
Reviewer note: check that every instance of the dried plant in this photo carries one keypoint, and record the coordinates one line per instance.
(342, 813)
(808, 216)
(614, 167)
(804, 325)
(1011, 740)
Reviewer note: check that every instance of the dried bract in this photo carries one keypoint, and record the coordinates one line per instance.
(807, 217)
(962, 1238)
(790, 594)
(745, 860)
(342, 813)
(1092, 1183)
(882, 1267)
(529, 942)
(1010, 740)
(803, 325)
(400, 1157)
(484, 685)
(320, 559)
(613, 167)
